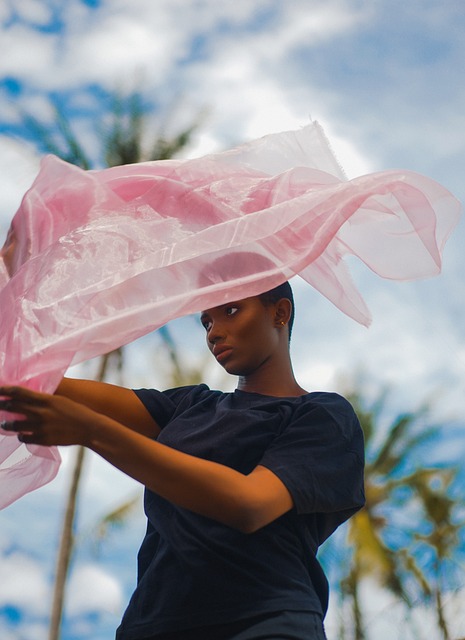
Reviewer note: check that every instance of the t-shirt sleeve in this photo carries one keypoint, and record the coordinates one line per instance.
(163, 406)
(319, 456)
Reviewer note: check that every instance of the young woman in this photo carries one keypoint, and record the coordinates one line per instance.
(241, 488)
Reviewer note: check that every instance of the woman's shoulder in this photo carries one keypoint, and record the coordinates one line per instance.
(329, 400)
(186, 393)
(328, 408)
(183, 390)
(166, 404)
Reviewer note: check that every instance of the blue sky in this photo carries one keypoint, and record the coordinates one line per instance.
(385, 78)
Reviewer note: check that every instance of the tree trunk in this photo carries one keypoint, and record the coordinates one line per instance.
(359, 632)
(67, 536)
(442, 624)
(66, 548)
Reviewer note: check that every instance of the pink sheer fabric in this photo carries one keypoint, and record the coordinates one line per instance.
(94, 260)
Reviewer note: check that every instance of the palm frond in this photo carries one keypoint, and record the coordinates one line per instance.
(116, 518)
(41, 133)
(372, 557)
(388, 459)
(413, 569)
(166, 148)
(75, 153)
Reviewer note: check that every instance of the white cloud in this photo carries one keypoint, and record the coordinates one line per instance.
(92, 589)
(26, 54)
(27, 631)
(9, 634)
(113, 53)
(34, 11)
(23, 583)
(19, 164)
(305, 24)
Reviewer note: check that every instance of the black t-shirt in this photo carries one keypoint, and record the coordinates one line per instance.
(194, 571)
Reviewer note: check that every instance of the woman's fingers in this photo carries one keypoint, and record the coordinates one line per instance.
(21, 394)
(46, 419)
(24, 402)
(12, 425)
(31, 407)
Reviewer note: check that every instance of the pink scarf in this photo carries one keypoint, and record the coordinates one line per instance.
(96, 259)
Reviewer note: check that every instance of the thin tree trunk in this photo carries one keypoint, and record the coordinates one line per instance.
(342, 625)
(67, 537)
(66, 548)
(359, 632)
(441, 619)
(442, 624)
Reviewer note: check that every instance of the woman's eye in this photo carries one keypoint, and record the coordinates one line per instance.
(207, 325)
(230, 311)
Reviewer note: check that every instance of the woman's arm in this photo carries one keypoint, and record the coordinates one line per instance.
(113, 401)
(245, 502)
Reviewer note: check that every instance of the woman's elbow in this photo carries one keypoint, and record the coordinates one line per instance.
(249, 517)
(245, 523)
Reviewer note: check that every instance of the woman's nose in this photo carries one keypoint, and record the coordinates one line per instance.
(215, 332)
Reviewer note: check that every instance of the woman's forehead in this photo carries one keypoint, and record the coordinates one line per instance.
(220, 307)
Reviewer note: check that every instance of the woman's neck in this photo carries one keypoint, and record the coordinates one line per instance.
(272, 383)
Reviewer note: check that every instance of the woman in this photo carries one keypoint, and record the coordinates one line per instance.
(241, 488)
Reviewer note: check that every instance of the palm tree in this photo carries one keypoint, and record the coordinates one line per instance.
(441, 539)
(121, 141)
(393, 480)
(122, 136)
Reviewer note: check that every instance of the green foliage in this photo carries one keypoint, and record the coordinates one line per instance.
(121, 135)
(125, 138)
(58, 138)
(397, 482)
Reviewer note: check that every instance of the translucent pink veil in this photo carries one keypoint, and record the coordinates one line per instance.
(94, 260)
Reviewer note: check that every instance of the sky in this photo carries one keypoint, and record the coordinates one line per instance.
(385, 79)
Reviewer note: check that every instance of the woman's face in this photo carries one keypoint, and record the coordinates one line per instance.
(243, 335)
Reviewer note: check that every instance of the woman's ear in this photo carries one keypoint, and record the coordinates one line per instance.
(283, 310)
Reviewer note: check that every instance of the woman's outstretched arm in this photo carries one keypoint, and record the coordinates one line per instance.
(113, 401)
(245, 502)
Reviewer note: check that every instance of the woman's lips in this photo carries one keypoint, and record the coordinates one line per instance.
(222, 353)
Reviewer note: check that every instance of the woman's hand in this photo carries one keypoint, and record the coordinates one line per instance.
(48, 420)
